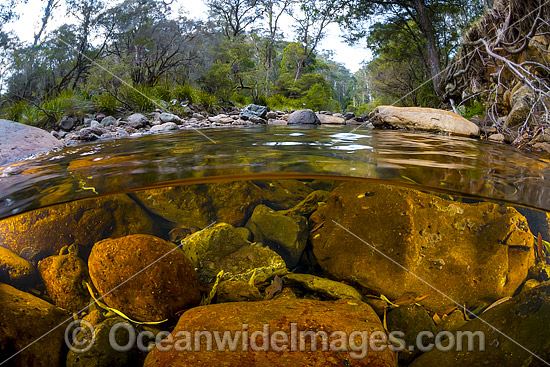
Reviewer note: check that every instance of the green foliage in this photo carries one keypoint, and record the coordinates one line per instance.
(15, 110)
(207, 101)
(475, 107)
(185, 93)
(140, 98)
(106, 102)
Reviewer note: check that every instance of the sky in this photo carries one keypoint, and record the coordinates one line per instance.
(351, 57)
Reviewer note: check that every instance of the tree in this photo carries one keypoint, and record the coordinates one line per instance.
(312, 18)
(429, 18)
(235, 15)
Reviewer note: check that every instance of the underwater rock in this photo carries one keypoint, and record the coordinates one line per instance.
(452, 321)
(473, 253)
(223, 247)
(308, 315)
(329, 289)
(84, 222)
(424, 119)
(237, 291)
(19, 140)
(64, 277)
(148, 278)
(524, 319)
(286, 235)
(411, 320)
(186, 205)
(15, 270)
(202, 205)
(24, 320)
(102, 354)
(234, 201)
(310, 204)
(283, 194)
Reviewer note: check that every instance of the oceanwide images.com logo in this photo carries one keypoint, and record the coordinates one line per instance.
(80, 338)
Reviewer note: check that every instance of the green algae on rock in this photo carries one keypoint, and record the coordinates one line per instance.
(223, 247)
(24, 320)
(285, 234)
(144, 277)
(84, 222)
(330, 289)
(343, 317)
(473, 253)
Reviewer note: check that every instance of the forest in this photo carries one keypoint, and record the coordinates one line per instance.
(137, 55)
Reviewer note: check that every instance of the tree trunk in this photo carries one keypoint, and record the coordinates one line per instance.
(427, 28)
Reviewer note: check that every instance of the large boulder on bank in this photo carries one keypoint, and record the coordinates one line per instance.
(472, 253)
(330, 119)
(84, 222)
(253, 110)
(18, 141)
(303, 117)
(32, 328)
(137, 120)
(337, 319)
(145, 277)
(424, 119)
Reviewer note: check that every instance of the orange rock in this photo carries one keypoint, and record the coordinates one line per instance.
(277, 315)
(145, 277)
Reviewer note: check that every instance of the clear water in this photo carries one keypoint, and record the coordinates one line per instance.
(385, 190)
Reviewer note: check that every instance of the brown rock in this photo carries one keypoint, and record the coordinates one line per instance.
(473, 253)
(202, 205)
(234, 201)
(497, 138)
(514, 334)
(24, 322)
(237, 291)
(149, 279)
(426, 119)
(343, 316)
(185, 205)
(63, 276)
(15, 270)
(84, 222)
(283, 194)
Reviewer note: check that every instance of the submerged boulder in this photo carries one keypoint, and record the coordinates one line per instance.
(286, 235)
(145, 277)
(395, 240)
(283, 194)
(424, 119)
(15, 270)
(202, 205)
(32, 328)
(84, 222)
(327, 288)
(223, 247)
(513, 333)
(337, 319)
(63, 276)
(19, 140)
